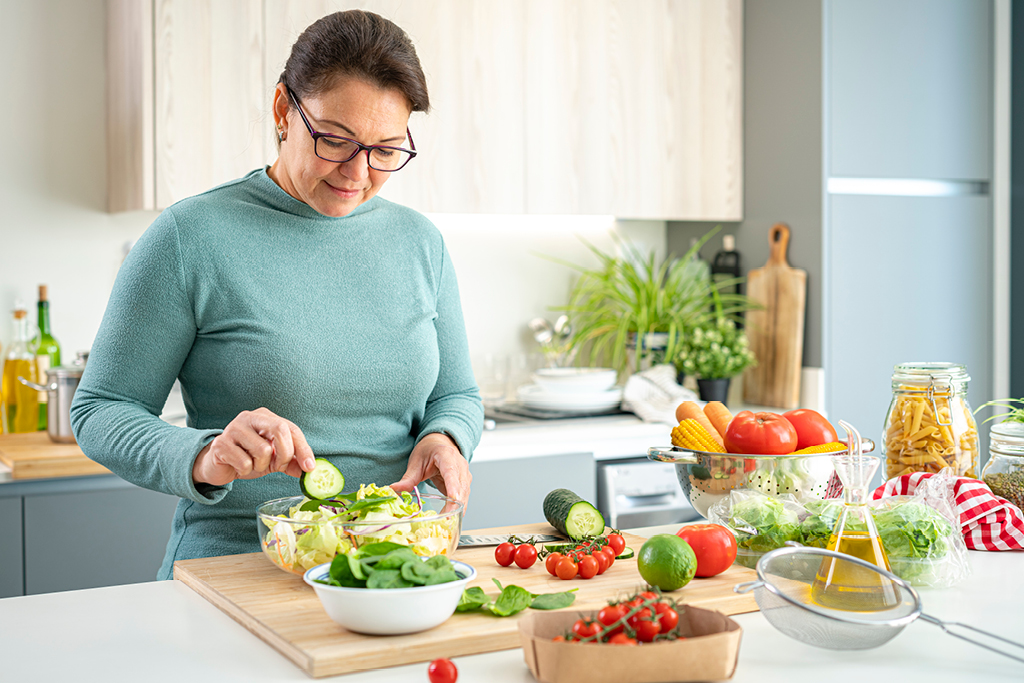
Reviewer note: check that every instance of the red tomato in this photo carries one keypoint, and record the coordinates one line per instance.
(648, 595)
(558, 639)
(760, 434)
(667, 617)
(610, 554)
(616, 543)
(551, 561)
(566, 569)
(636, 619)
(811, 428)
(611, 614)
(526, 555)
(442, 671)
(585, 629)
(713, 544)
(602, 561)
(588, 567)
(646, 630)
(621, 639)
(504, 554)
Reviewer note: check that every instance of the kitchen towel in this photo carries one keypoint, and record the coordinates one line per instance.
(988, 521)
(653, 394)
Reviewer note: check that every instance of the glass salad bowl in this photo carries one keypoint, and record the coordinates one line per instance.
(298, 534)
(707, 478)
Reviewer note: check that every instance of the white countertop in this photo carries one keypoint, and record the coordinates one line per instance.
(162, 631)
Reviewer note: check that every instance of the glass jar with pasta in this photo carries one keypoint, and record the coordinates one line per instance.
(929, 424)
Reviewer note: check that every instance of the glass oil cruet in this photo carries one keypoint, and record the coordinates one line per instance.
(845, 585)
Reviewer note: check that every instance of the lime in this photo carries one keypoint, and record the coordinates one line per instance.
(666, 561)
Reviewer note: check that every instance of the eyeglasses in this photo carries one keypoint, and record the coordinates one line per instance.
(339, 149)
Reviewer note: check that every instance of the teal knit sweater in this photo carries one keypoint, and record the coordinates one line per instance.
(349, 327)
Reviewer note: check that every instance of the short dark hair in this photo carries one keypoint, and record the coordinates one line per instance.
(357, 44)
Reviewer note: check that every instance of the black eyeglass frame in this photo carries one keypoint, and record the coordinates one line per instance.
(360, 147)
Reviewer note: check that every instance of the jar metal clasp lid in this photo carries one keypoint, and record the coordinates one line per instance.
(945, 383)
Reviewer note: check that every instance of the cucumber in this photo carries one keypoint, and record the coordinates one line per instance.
(572, 515)
(325, 481)
(626, 554)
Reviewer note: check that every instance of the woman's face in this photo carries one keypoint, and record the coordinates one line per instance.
(353, 109)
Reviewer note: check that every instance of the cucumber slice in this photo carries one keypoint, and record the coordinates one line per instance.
(572, 515)
(325, 481)
(626, 554)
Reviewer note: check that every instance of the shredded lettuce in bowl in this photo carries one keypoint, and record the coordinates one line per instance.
(312, 532)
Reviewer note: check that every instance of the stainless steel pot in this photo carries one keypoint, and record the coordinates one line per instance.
(61, 383)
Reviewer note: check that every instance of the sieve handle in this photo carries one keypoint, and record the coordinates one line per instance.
(747, 586)
(945, 626)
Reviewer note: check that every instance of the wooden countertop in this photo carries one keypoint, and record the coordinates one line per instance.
(35, 456)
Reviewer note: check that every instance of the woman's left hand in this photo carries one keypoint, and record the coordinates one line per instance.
(437, 458)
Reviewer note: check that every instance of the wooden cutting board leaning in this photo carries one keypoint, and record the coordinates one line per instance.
(284, 612)
(776, 331)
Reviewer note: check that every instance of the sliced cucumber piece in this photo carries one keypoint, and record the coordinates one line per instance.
(325, 481)
(626, 554)
(573, 516)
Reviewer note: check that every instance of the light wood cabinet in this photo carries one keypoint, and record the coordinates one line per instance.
(185, 98)
(538, 106)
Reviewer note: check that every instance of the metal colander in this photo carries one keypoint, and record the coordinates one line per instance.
(784, 595)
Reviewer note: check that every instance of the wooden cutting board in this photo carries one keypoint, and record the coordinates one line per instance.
(776, 332)
(35, 456)
(283, 611)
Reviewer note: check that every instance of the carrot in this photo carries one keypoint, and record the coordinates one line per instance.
(688, 410)
(719, 415)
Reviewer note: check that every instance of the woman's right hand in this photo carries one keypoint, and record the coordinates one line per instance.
(255, 443)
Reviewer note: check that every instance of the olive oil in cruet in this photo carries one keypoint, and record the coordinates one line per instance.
(846, 585)
(20, 403)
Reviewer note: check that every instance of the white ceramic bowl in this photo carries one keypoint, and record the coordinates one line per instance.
(390, 611)
(575, 380)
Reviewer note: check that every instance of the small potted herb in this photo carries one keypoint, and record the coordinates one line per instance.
(714, 353)
(1004, 471)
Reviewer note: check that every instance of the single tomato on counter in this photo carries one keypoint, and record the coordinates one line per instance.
(812, 429)
(442, 671)
(760, 434)
(714, 546)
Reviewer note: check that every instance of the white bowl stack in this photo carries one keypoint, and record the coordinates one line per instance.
(572, 390)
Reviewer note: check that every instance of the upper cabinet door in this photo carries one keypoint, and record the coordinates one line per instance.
(635, 109)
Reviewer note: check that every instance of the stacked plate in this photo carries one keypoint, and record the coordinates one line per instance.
(572, 390)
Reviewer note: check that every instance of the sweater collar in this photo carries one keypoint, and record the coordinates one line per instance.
(279, 199)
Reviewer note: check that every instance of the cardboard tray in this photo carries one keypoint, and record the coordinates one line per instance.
(708, 653)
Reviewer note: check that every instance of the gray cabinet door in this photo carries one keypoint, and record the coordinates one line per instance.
(507, 492)
(12, 578)
(95, 538)
(909, 88)
(910, 282)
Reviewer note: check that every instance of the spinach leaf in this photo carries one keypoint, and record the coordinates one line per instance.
(439, 562)
(368, 503)
(341, 573)
(553, 600)
(396, 558)
(442, 576)
(472, 599)
(379, 549)
(387, 578)
(513, 599)
(417, 571)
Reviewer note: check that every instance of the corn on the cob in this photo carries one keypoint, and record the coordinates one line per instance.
(833, 447)
(690, 434)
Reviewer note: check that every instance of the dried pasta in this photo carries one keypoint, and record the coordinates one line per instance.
(927, 435)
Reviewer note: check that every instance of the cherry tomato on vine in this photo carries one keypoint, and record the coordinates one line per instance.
(585, 629)
(504, 554)
(668, 618)
(526, 555)
(551, 561)
(616, 543)
(588, 567)
(621, 639)
(442, 671)
(602, 561)
(646, 630)
(611, 614)
(648, 595)
(635, 620)
(559, 639)
(566, 569)
(609, 552)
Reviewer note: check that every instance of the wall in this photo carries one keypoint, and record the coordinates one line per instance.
(782, 171)
(54, 228)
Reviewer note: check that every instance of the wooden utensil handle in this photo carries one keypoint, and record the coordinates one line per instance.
(778, 239)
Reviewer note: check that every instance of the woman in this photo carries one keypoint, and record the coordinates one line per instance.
(301, 313)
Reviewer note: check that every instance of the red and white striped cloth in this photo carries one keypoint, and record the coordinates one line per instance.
(988, 521)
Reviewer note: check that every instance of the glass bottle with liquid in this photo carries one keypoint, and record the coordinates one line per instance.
(845, 585)
(46, 350)
(20, 403)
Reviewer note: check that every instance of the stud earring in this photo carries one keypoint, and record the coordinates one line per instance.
(280, 133)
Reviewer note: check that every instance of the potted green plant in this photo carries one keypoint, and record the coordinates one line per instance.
(714, 352)
(630, 312)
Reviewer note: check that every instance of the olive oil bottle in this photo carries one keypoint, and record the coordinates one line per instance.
(45, 350)
(20, 403)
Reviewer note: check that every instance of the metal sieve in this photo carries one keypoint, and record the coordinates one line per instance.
(784, 595)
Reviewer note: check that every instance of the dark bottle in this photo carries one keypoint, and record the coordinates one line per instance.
(46, 351)
(726, 265)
